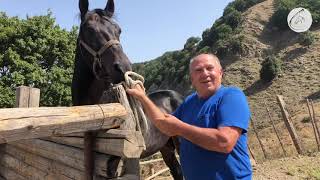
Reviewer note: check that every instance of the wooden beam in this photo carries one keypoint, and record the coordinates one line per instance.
(27, 123)
(289, 124)
(67, 155)
(49, 166)
(123, 143)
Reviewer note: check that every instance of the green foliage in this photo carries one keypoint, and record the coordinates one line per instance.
(306, 119)
(307, 38)
(279, 18)
(36, 52)
(220, 36)
(241, 5)
(271, 67)
(233, 18)
(191, 43)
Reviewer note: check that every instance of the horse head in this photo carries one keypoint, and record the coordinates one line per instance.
(99, 43)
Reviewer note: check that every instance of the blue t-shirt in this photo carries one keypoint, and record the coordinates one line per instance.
(227, 107)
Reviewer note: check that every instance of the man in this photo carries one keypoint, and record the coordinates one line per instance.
(212, 124)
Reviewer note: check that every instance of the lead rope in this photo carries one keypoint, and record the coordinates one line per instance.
(131, 79)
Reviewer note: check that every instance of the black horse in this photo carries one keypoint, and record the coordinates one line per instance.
(101, 62)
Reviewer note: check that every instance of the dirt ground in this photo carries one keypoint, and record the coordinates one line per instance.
(299, 167)
(289, 168)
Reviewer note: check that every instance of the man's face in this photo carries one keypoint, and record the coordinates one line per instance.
(206, 75)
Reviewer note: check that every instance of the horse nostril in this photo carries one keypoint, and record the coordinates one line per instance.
(118, 67)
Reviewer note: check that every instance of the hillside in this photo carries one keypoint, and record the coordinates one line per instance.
(300, 75)
(298, 79)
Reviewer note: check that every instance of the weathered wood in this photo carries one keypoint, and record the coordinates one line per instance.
(259, 140)
(24, 169)
(67, 155)
(277, 133)
(288, 122)
(44, 164)
(157, 173)
(26, 123)
(118, 94)
(151, 161)
(252, 158)
(123, 143)
(27, 97)
(315, 119)
(127, 177)
(9, 174)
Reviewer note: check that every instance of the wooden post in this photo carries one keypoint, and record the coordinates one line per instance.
(275, 130)
(252, 159)
(259, 140)
(315, 119)
(314, 126)
(27, 97)
(118, 94)
(288, 122)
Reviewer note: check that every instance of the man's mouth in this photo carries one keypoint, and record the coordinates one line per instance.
(205, 81)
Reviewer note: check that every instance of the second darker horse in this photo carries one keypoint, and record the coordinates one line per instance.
(101, 62)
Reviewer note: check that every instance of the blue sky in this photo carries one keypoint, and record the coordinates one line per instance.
(149, 27)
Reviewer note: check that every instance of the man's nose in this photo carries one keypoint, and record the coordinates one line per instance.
(205, 72)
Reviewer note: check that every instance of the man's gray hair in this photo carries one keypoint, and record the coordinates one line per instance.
(210, 54)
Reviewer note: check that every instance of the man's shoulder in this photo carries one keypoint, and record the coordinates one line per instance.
(191, 97)
(232, 90)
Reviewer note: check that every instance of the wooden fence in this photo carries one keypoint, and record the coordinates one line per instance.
(47, 142)
(290, 129)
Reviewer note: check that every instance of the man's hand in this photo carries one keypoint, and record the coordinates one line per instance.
(137, 91)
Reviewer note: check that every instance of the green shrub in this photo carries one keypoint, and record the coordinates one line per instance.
(271, 67)
(307, 38)
(233, 18)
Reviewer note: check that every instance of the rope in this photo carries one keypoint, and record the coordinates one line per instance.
(131, 79)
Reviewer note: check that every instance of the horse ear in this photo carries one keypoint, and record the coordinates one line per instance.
(110, 8)
(83, 6)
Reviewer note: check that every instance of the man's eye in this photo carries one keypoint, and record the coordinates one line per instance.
(210, 68)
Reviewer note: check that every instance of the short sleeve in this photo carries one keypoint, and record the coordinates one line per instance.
(178, 112)
(234, 110)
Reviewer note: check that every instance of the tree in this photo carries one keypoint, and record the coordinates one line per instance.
(36, 52)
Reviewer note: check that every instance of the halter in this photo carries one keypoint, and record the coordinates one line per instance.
(97, 54)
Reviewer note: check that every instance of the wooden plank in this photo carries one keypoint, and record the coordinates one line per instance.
(24, 169)
(49, 166)
(288, 122)
(27, 123)
(67, 155)
(123, 143)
